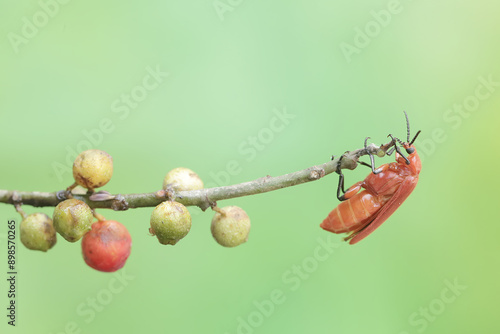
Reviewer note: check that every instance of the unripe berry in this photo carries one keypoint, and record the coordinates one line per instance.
(182, 179)
(170, 222)
(37, 232)
(230, 226)
(93, 168)
(72, 219)
(107, 246)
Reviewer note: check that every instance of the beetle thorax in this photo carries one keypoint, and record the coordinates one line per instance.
(415, 164)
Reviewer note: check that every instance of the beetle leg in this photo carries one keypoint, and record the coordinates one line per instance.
(353, 190)
(342, 194)
(354, 233)
(378, 170)
(372, 160)
(390, 151)
(401, 154)
(364, 164)
(393, 143)
(398, 150)
(340, 187)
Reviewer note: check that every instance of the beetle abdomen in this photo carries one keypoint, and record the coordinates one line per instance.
(353, 213)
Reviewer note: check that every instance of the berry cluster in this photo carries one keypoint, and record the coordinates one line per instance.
(106, 244)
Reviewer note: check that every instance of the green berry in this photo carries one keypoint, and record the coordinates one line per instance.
(182, 179)
(230, 226)
(93, 169)
(37, 232)
(72, 219)
(170, 222)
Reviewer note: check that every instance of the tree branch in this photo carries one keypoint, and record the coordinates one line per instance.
(202, 198)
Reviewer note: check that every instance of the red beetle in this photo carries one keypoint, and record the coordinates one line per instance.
(385, 189)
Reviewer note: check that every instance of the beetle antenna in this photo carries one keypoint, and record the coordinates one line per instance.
(413, 140)
(407, 128)
(399, 141)
(398, 150)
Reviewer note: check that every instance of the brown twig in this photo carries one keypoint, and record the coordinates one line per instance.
(201, 198)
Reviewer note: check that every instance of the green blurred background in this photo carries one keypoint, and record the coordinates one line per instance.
(342, 71)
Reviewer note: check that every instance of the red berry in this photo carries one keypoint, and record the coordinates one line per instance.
(106, 246)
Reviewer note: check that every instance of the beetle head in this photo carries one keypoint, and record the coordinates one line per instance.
(415, 164)
(408, 146)
(413, 159)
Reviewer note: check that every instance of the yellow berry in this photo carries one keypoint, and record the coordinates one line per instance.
(37, 232)
(230, 226)
(72, 219)
(93, 169)
(182, 179)
(170, 222)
